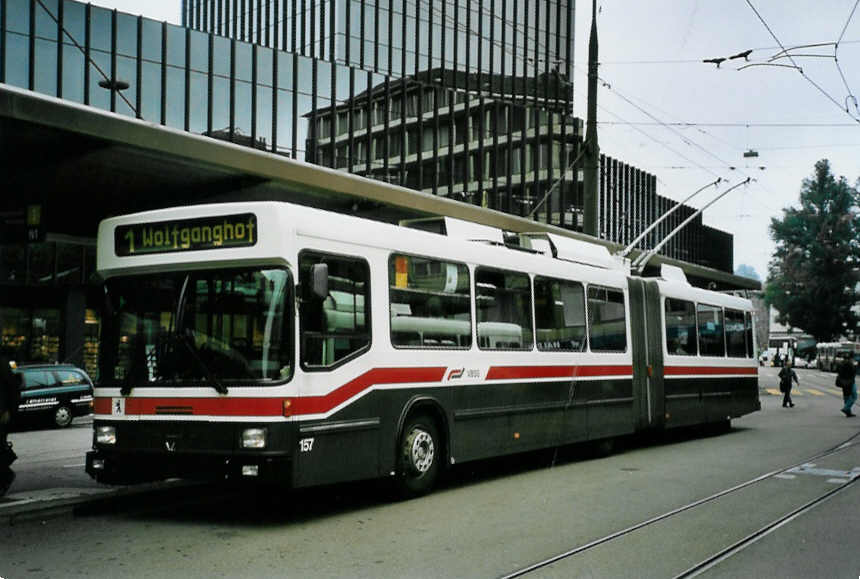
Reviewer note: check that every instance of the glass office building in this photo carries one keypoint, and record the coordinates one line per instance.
(468, 99)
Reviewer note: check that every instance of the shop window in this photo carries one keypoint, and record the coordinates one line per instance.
(30, 335)
(41, 263)
(70, 263)
(15, 332)
(45, 335)
(13, 263)
(92, 325)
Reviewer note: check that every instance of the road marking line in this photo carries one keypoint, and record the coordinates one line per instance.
(814, 392)
(772, 391)
(74, 465)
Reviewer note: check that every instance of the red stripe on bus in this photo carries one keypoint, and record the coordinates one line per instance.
(271, 406)
(525, 372)
(708, 370)
(320, 404)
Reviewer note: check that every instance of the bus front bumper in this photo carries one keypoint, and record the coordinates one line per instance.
(126, 468)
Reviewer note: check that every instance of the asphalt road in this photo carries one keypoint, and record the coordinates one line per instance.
(51, 458)
(494, 518)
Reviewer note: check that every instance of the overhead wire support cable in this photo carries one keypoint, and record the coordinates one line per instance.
(845, 27)
(645, 134)
(684, 138)
(850, 97)
(754, 64)
(799, 69)
(685, 125)
(740, 124)
(655, 139)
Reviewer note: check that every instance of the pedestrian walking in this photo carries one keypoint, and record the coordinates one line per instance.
(786, 375)
(9, 387)
(845, 373)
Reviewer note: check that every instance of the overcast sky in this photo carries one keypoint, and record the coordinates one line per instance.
(650, 61)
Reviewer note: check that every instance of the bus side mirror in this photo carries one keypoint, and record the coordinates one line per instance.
(319, 280)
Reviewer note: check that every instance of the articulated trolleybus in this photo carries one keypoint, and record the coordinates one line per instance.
(276, 342)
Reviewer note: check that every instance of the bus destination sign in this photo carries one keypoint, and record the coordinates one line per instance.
(221, 232)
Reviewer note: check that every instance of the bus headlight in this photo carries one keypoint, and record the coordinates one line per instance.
(254, 438)
(106, 435)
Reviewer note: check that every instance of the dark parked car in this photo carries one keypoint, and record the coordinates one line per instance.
(58, 392)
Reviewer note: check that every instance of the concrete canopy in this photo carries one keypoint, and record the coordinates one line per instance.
(84, 164)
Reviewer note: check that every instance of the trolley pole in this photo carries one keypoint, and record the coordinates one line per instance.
(591, 166)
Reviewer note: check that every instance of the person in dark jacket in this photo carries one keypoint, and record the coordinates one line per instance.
(9, 387)
(845, 373)
(786, 375)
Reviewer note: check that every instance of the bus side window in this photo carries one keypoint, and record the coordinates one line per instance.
(748, 329)
(559, 315)
(712, 340)
(607, 325)
(337, 326)
(680, 327)
(503, 307)
(429, 303)
(735, 334)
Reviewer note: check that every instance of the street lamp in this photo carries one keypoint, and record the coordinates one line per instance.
(112, 85)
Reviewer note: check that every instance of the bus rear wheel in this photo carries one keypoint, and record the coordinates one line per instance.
(418, 456)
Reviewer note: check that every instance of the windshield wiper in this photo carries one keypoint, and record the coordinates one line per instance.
(210, 375)
(186, 337)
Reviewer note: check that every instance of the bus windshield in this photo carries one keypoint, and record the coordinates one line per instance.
(209, 327)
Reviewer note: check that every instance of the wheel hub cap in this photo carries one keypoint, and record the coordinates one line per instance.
(422, 452)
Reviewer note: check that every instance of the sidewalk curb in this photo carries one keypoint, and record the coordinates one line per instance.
(16, 512)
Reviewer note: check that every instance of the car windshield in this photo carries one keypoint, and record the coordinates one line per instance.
(202, 327)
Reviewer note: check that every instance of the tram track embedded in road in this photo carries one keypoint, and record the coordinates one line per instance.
(722, 554)
(745, 542)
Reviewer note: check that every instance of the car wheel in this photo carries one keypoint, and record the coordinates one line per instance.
(62, 416)
(419, 453)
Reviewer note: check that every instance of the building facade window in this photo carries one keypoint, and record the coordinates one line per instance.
(286, 76)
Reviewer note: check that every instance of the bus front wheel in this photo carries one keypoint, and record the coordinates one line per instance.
(419, 453)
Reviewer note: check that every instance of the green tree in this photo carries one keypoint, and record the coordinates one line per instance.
(812, 276)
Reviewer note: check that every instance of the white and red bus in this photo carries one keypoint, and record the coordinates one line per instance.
(830, 354)
(270, 341)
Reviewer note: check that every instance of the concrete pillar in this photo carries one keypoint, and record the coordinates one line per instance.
(74, 313)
